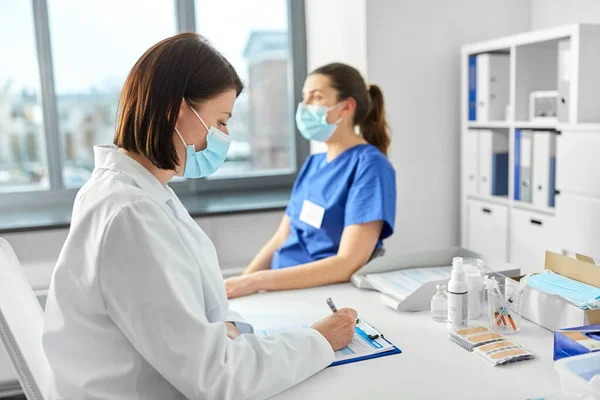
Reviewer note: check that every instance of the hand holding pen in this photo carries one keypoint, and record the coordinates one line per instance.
(362, 326)
(338, 328)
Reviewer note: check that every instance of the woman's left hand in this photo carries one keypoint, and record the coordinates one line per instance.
(242, 285)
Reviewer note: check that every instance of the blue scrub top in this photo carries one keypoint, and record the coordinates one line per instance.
(357, 187)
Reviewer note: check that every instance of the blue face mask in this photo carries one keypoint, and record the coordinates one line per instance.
(584, 296)
(205, 162)
(311, 120)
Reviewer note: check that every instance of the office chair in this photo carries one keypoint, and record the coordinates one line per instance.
(21, 325)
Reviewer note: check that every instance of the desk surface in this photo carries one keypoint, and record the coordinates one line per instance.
(430, 367)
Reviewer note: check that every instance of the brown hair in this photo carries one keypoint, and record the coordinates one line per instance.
(370, 111)
(182, 66)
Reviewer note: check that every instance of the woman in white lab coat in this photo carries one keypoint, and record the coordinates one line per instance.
(137, 308)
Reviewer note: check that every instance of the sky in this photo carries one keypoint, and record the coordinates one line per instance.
(95, 43)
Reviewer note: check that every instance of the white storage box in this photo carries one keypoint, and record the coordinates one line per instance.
(553, 312)
(580, 374)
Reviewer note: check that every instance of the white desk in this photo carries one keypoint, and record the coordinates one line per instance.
(430, 366)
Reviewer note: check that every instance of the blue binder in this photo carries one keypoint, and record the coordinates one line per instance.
(517, 182)
(472, 88)
(500, 174)
(552, 185)
(394, 350)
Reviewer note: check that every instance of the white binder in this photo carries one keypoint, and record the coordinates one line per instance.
(526, 165)
(471, 161)
(492, 86)
(543, 150)
(490, 142)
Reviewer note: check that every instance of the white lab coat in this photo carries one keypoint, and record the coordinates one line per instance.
(137, 303)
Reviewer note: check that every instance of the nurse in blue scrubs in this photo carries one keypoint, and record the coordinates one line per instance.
(343, 203)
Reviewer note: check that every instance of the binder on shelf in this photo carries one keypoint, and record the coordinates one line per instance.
(500, 174)
(552, 190)
(564, 79)
(471, 171)
(492, 86)
(517, 172)
(472, 88)
(526, 166)
(543, 152)
(493, 163)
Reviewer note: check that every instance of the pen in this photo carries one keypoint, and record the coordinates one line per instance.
(374, 333)
(331, 305)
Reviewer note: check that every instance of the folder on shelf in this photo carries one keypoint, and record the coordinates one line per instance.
(470, 165)
(543, 152)
(552, 190)
(500, 174)
(493, 163)
(526, 166)
(517, 171)
(492, 86)
(472, 88)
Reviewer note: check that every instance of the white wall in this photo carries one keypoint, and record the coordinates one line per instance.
(549, 13)
(336, 31)
(413, 54)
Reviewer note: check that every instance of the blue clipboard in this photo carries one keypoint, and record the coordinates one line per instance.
(394, 350)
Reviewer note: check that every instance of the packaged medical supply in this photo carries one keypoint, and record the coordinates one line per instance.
(470, 338)
(554, 312)
(503, 352)
(584, 296)
(476, 295)
(580, 375)
(575, 341)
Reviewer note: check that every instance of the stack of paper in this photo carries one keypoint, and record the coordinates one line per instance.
(401, 284)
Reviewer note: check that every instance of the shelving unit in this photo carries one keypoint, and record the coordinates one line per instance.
(535, 125)
(509, 230)
(489, 125)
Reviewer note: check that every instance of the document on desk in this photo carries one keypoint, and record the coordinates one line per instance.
(402, 283)
(360, 348)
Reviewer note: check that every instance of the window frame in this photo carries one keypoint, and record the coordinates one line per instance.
(57, 194)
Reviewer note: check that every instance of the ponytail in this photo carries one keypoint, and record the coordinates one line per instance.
(375, 129)
(369, 114)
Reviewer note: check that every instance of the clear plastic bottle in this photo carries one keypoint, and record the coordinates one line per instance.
(439, 304)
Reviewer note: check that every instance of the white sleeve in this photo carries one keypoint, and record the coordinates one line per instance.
(240, 323)
(153, 293)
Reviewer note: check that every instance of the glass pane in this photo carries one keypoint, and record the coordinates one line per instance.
(255, 39)
(94, 45)
(22, 144)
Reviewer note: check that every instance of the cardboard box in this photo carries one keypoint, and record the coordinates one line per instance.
(575, 341)
(553, 312)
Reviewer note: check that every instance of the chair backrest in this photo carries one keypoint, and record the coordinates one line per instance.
(378, 252)
(21, 326)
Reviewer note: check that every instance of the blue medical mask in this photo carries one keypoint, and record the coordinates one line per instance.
(311, 120)
(584, 296)
(205, 162)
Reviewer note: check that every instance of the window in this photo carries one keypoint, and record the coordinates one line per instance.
(66, 61)
(90, 68)
(22, 146)
(256, 40)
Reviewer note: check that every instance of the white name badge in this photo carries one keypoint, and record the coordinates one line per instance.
(312, 214)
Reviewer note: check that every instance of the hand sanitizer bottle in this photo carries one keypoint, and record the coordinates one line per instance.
(457, 296)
